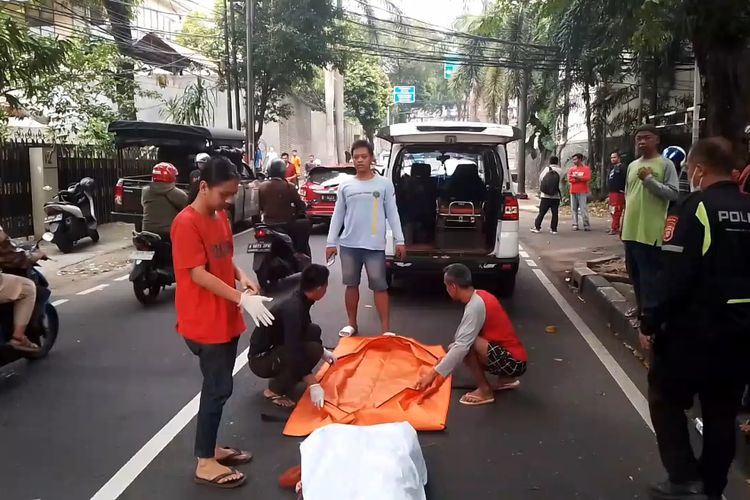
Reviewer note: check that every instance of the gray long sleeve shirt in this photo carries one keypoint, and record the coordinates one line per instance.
(466, 334)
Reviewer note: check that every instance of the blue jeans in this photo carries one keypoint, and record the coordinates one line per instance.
(643, 263)
(352, 260)
(580, 201)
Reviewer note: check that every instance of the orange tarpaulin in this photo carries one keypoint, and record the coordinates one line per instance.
(372, 383)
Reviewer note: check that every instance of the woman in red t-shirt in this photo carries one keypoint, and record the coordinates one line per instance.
(208, 311)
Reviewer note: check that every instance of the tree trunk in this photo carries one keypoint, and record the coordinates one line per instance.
(523, 118)
(504, 109)
(589, 128)
(565, 128)
(119, 12)
(725, 103)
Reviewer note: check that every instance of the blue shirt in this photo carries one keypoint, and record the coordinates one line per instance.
(362, 208)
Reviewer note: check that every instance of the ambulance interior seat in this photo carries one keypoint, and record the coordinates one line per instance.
(420, 195)
(464, 185)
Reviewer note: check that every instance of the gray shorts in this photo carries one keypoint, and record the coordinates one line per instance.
(352, 260)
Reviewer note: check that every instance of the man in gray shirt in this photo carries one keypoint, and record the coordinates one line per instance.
(485, 341)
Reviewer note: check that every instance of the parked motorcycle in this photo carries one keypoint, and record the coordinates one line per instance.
(275, 260)
(44, 325)
(71, 215)
(152, 266)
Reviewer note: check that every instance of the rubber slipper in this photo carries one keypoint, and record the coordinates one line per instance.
(24, 345)
(479, 402)
(347, 331)
(506, 387)
(235, 457)
(276, 399)
(225, 485)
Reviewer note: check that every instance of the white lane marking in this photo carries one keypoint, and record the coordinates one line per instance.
(523, 254)
(615, 370)
(59, 302)
(97, 288)
(530, 263)
(122, 278)
(128, 473)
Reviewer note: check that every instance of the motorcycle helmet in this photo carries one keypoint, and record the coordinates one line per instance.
(277, 168)
(87, 184)
(201, 159)
(164, 172)
(676, 155)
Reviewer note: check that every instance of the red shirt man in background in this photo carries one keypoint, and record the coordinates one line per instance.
(579, 176)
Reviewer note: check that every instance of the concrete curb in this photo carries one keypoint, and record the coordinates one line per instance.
(599, 292)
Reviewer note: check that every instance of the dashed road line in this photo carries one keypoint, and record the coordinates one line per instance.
(97, 288)
(523, 254)
(60, 302)
(530, 263)
(122, 278)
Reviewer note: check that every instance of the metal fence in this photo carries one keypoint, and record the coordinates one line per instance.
(105, 166)
(15, 190)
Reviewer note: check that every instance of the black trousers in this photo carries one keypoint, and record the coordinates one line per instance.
(545, 205)
(277, 365)
(669, 397)
(217, 363)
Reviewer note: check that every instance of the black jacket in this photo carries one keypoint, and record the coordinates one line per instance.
(290, 329)
(617, 178)
(703, 312)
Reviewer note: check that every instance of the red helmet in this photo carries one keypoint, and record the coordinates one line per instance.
(164, 172)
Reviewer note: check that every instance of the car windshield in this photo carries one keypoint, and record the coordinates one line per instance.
(331, 175)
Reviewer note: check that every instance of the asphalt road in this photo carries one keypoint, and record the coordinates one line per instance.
(100, 413)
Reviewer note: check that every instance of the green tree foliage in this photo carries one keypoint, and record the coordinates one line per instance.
(23, 58)
(366, 92)
(194, 106)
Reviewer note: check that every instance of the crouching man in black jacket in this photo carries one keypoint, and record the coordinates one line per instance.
(700, 327)
(287, 351)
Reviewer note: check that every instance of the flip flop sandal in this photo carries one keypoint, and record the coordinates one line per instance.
(347, 331)
(235, 457)
(24, 345)
(225, 485)
(479, 402)
(275, 399)
(507, 387)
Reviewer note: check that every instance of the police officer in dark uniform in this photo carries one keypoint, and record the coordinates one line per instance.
(700, 328)
(201, 159)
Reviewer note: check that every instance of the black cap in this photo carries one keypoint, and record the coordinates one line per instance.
(647, 127)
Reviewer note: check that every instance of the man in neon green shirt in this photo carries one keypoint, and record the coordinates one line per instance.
(652, 183)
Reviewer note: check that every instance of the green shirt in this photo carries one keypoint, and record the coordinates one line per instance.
(647, 201)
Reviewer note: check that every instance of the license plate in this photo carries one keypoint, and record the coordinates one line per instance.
(260, 247)
(53, 218)
(328, 197)
(142, 255)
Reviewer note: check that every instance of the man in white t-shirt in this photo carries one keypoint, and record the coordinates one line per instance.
(549, 187)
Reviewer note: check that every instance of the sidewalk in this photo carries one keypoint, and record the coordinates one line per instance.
(87, 258)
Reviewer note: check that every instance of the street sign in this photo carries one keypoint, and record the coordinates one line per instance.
(449, 70)
(404, 94)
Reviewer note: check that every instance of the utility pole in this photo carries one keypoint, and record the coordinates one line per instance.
(523, 104)
(227, 66)
(338, 104)
(250, 92)
(235, 66)
(696, 102)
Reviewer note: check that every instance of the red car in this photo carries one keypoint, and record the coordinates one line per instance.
(319, 190)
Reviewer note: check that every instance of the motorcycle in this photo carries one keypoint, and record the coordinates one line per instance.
(71, 215)
(152, 266)
(44, 324)
(275, 260)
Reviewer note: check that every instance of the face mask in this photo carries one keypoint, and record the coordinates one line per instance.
(693, 187)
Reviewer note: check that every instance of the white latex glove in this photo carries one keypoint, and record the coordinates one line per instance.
(254, 306)
(317, 395)
(329, 357)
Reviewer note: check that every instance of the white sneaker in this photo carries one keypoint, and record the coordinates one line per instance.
(552, 232)
(535, 230)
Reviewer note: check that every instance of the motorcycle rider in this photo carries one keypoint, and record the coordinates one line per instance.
(162, 200)
(19, 290)
(280, 204)
(201, 159)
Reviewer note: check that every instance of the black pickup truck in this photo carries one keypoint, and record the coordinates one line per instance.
(178, 144)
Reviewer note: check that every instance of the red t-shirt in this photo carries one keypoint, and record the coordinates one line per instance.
(291, 170)
(498, 327)
(198, 240)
